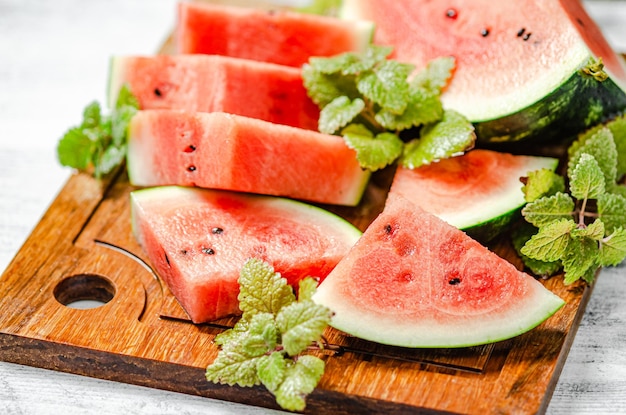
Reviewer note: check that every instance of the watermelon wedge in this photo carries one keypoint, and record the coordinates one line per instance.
(479, 192)
(231, 152)
(269, 92)
(413, 280)
(197, 240)
(277, 36)
(518, 73)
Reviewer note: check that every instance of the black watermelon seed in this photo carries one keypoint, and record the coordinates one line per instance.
(527, 36)
(158, 92)
(388, 229)
(167, 259)
(217, 230)
(454, 281)
(484, 32)
(452, 13)
(208, 251)
(521, 32)
(191, 168)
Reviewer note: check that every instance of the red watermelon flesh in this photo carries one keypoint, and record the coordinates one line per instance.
(413, 280)
(198, 240)
(509, 54)
(231, 152)
(270, 92)
(278, 36)
(472, 188)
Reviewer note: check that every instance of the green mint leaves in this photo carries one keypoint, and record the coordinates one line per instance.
(266, 345)
(98, 144)
(385, 111)
(584, 229)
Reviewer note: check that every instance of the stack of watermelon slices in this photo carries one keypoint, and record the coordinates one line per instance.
(410, 277)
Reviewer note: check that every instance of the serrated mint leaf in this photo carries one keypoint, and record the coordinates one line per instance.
(612, 211)
(594, 231)
(386, 85)
(373, 153)
(301, 324)
(324, 88)
(373, 56)
(423, 108)
(91, 115)
(262, 290)
(74, 149)
(301, 379)
(586, 178)
(541, 183)
(451, 136)
(233, 366)
(521, 234)
(306, 288)
(580, 259)
(601, 146)
(262, 335)
(125, 98)
(235, 334)
(436, 75)
(338, 113)
(272, 370)
(333, 64)
(550, 243)
(613, 248)
(549, 209)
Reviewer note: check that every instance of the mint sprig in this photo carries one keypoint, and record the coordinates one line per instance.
(267, 344)
(386, 111)
(98, 144)
(584, 229)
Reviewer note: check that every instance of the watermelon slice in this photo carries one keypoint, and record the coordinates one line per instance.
(278, 36)
(206, 83)
(199, 239)
(231, 152)
(413, 280)
(519, 63)
(479, 192)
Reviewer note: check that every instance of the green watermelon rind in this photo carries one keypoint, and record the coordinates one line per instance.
(494, 222)
(561, 113)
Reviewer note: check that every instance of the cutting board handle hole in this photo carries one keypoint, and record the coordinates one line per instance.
(84, 291)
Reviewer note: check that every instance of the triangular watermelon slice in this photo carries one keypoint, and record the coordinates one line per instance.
(413, 280)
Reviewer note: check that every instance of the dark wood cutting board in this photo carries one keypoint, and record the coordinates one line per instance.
(142, 336)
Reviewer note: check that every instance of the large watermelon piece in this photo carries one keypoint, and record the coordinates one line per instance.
(198, 240)
(413, 280)
(270, 92)
(232, 152)
(519, 62)
(278, 36)
(479, 192)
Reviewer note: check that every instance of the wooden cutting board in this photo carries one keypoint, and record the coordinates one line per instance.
(140, 335)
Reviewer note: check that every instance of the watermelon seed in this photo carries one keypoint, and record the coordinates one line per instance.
(167, 259)
(217, 230)
(191, 168)
(454, 281)
(208, 251)
(183, 251)
(190, 149)
(452, 14)
(158, 92)
(521, 32)
(484, 32)
(527, 36)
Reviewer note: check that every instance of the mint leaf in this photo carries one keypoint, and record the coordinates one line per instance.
(613, 248)
(520, 235)
(612, 211)
(373, 153)
(550, 243)
(306, 288)
(300, 380)
(386, 85)
(233, 366)
(579, 262)
(262, 335)
(74, 149)
(301, 324)
(423, 107)
(262, 290)
(546, 210)
(594, 231)
(339, 113)
(272, 370)
(601, 146)
(542, 183)
(586, 178)
(436, 75)
(453, 135)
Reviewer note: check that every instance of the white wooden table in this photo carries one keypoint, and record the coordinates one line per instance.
(53, 61)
